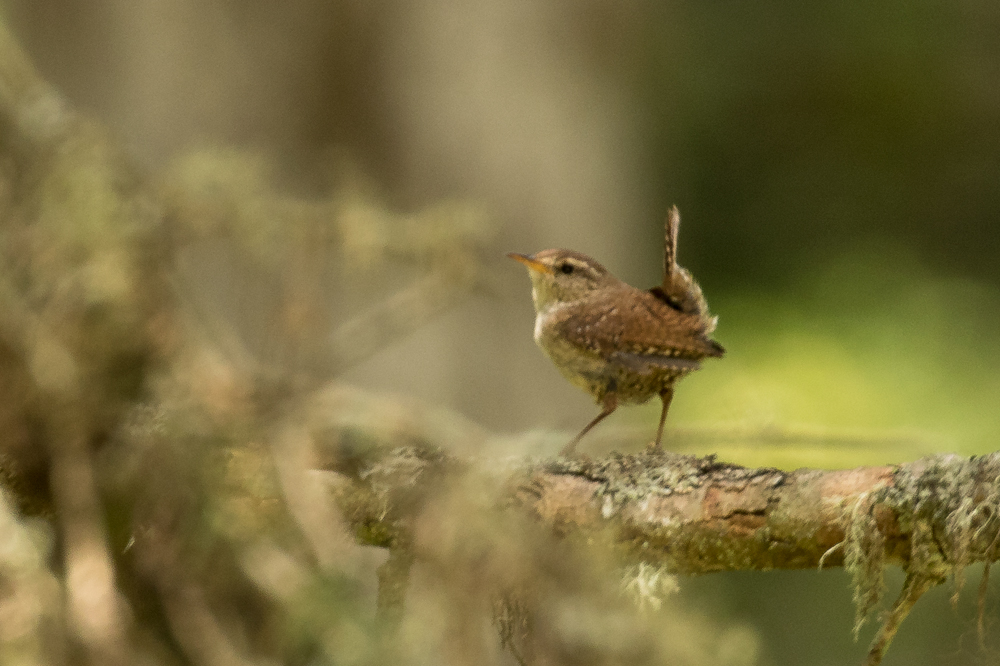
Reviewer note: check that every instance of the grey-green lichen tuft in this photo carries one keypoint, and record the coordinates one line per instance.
(390, 488)
(628, 478)
(946, 509)
(632, 478)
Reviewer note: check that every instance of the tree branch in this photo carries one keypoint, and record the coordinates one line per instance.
(697, 515)
(694, 515)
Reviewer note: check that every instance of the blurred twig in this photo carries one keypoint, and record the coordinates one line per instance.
(32, 634)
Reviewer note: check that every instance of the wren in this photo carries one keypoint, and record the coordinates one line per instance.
(618, 343)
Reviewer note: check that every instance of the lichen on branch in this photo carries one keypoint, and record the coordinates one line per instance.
(690, 515)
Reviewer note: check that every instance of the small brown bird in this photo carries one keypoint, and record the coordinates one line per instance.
(618, 343)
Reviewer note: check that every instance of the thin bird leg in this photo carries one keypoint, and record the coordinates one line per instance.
(610, 405)
(666, 395)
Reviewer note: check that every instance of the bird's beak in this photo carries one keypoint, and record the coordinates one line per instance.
(530, 262)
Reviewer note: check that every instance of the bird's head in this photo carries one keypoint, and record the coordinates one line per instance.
(562, 276)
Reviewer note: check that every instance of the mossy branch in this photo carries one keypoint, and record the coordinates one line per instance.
(692, 515)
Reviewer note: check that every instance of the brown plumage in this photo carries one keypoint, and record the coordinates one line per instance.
(619, 343)
(626, 319)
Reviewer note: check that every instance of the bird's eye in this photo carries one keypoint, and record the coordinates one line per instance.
(566, 268)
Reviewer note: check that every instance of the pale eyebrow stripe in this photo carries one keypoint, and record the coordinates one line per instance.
(582, 265)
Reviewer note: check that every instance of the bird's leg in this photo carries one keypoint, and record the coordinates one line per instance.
(666, 395)
(610, 404)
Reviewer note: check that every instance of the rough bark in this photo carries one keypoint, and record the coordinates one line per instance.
(693, 515)
(698, 515)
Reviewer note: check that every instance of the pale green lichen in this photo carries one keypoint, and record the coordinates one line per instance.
(946, 508)
(648, 584)
(630, 481)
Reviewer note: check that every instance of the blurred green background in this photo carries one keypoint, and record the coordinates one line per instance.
(837, 166)
(848, 159)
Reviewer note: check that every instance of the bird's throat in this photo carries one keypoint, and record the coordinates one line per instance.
(545, 315)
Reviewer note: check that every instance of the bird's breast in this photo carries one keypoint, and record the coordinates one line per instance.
(583, 368)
